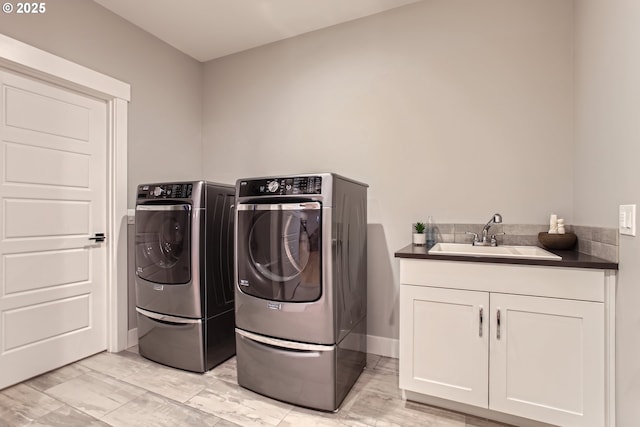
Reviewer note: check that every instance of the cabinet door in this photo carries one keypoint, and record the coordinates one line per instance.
(547, 359)
(444, 343)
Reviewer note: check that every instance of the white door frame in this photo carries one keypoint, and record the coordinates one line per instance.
(18, 56)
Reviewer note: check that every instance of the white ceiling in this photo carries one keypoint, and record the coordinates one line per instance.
(208, 29)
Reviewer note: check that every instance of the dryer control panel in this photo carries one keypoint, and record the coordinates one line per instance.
(281, 186)
(165, 191)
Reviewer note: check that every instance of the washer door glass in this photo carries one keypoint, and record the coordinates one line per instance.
(279, 251)
(163, 253)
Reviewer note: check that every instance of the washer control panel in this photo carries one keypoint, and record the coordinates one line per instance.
(165, 191)
(289, 186)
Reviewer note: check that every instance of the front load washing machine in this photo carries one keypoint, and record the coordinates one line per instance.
(184, 273)
(301, 287)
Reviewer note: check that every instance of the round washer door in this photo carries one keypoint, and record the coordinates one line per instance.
(163, 244)
(279, 256)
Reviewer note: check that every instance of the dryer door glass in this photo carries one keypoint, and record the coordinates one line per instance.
(279, 251)
(163, 253)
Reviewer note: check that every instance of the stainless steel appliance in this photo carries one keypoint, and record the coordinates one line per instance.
(184, 273)
(301, 287)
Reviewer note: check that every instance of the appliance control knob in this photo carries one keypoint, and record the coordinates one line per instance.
(157, 191)
(272, 186)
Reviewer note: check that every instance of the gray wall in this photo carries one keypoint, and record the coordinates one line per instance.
(451, 108)
(165, 113)
(607, 117)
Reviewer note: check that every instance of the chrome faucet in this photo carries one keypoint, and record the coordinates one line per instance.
(485, 240)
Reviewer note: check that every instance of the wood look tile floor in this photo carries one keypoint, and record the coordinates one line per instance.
(124, 389)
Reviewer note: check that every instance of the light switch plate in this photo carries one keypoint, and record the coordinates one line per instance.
(627, 220)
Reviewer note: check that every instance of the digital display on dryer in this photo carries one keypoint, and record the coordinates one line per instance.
(281, 186)
(165, 191)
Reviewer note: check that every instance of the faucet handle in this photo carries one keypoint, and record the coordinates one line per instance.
(475, 236)
(494, 241)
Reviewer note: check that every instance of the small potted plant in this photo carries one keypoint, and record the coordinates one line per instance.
(419, 238)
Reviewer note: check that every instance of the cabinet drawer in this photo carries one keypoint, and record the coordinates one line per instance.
(556, 282)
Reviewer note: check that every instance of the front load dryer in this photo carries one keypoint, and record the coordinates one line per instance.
(301, 287)
(184, 273)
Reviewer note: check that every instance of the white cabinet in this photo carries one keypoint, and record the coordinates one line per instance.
(547, 359)
(444, 347)
(526, 341)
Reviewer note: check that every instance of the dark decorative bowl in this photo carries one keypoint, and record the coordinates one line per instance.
(557, 241)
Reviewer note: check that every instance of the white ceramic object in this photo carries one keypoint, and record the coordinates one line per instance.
(466, 249)
(419, 239)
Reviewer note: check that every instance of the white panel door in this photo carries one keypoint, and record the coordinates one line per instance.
(53, 199)
(444, 344)
(547, 359)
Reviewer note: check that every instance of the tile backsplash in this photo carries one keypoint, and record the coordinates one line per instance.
(596, 241)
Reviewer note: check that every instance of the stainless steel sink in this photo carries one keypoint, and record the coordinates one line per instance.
(466, 249)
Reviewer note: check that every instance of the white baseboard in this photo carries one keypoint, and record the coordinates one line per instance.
(132, 337)
(383, 346)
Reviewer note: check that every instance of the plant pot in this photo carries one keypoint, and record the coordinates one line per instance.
(419, 239)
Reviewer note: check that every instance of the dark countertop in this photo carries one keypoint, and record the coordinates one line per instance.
(569, 259)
